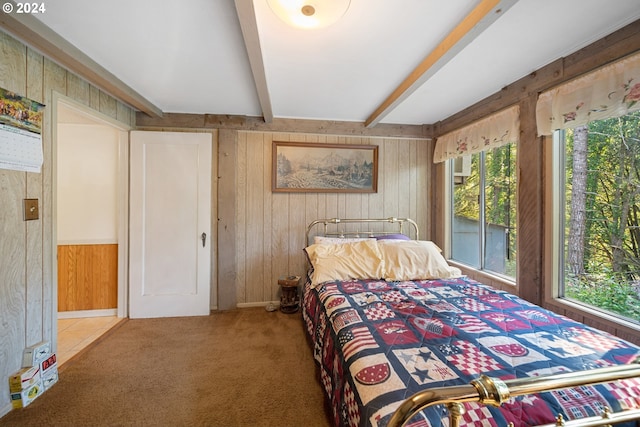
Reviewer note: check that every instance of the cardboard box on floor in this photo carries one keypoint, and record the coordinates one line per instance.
(34, 379)
(48, 364)
(49, 371)
(50, 378)
(24, 379)
(28, 395)
(34, 354)
(25, 385)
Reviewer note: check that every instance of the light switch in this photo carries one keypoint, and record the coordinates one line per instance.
(31, 210)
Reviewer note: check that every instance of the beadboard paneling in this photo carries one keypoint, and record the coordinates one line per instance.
(87, 277)
(271, 227)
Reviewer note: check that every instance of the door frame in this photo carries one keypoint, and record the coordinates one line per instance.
(123, 129)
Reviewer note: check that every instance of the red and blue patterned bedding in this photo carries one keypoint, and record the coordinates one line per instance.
(379, 342)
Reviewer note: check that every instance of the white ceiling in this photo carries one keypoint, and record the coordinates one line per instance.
(189, 56)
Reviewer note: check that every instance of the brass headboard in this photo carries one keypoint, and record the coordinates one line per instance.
(361, 232)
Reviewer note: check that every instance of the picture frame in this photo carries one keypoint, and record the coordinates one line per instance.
(300, 167)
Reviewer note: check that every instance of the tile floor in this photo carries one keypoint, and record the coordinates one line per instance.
(76, 334)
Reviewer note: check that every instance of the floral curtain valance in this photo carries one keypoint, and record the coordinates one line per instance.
(611, 91)
(491, 132)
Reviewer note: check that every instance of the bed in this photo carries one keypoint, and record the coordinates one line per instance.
(402, 338)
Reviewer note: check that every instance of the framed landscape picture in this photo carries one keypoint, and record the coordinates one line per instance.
(326, 168)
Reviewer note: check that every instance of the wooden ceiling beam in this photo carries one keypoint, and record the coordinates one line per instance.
(247, 17)
(257, 124)
(478, 20)
(37, 35)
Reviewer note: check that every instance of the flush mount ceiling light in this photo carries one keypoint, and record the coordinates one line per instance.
(309, 13)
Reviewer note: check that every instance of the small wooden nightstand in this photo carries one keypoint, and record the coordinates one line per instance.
(289, 297)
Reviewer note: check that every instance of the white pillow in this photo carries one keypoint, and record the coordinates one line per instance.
(414, 260)
(355, 260)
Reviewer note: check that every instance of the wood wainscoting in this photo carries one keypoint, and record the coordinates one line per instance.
(87, 277)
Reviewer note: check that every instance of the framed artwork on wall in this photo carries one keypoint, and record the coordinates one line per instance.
(324, 168)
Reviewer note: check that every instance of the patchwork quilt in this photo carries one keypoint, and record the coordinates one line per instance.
(377, 343)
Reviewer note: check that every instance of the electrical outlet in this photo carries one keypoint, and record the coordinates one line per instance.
(31, 210)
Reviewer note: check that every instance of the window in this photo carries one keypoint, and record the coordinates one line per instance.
(595, 121)
(483, 215)
(482, 191)
(599, 199)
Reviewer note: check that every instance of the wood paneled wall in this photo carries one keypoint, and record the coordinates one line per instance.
(270, 227)
(87, 277)
(27, 297)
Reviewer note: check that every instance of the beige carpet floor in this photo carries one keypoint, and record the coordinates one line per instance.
(245, 367)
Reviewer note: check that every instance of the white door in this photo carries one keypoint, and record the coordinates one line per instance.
(170, 224)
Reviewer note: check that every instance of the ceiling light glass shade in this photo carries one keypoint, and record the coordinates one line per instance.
(309, 13)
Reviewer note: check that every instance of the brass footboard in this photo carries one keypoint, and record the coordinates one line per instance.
(493, 391)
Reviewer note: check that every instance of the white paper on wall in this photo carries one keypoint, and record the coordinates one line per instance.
(20, 149)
